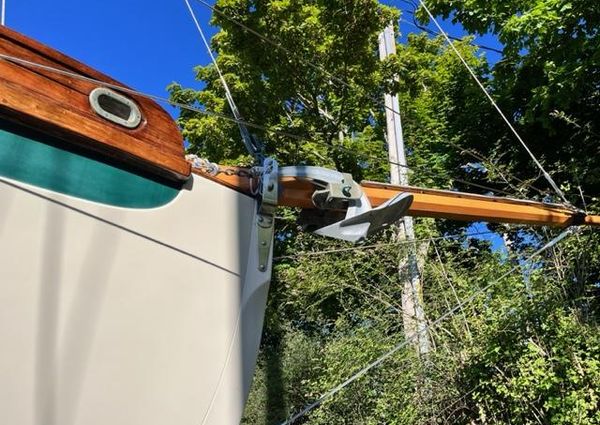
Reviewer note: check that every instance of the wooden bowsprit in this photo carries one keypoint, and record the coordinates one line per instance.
(297, 191)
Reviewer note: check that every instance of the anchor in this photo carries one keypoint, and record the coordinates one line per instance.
(338, 191)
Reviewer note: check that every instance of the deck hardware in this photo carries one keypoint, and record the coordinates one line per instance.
(337, 191)
(115, 107)
(266, 211)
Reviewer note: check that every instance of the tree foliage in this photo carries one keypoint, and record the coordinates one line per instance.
(548, 79)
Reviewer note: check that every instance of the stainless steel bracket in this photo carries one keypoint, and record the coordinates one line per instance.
(265, 217)
(337, 190)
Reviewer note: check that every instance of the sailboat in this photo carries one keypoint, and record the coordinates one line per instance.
(133, 281)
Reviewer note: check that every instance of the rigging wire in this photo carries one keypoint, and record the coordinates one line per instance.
(479, 157)
(380, 245)
(251, 146)
(440, 319)
(493, 102)
(238, 121)
(415, 24)
(323, 71)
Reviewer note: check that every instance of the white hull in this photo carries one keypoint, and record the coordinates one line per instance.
(123, 316)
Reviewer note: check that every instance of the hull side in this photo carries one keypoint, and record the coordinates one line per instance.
(128, 316)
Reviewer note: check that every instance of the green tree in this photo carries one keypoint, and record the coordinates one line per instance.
(548, 81)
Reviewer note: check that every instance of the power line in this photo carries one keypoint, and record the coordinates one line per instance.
(272, 42)
(443, 317)
(415, 24)
(435, 33)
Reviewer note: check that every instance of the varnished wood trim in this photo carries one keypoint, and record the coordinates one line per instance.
(58, 105)
(297, 192)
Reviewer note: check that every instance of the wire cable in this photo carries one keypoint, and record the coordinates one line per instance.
(440, 319)
(415, 24)
(435, 33)
(272, 42)
(493, 102)
(252, 148)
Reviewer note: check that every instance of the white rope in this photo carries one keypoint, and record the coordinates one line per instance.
(493, 102)
(246, 137)
(203, 164)
(457, 307)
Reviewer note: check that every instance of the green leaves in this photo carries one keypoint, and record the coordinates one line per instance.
(551, 62)
(552, 374)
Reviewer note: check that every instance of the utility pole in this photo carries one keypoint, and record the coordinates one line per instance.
(413, 314)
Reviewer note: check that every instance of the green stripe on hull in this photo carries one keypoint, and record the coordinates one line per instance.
(42, 161)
